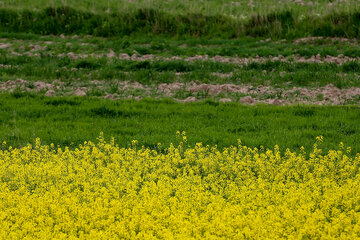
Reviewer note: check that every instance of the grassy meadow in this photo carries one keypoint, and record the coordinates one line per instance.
(68, 121)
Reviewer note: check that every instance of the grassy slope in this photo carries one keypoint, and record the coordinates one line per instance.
(70, 121)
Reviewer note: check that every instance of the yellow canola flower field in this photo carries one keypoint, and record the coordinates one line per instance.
(101, 191)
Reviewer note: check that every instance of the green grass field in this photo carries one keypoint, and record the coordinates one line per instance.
(68, 121)
(295, 54)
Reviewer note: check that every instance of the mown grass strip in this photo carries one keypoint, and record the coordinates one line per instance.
(68, 121)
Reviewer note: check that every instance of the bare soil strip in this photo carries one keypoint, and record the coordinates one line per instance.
(338, 60)
(330, 40)
(35, 50)
(246, 94)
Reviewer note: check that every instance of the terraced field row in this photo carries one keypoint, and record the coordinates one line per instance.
(91, 67)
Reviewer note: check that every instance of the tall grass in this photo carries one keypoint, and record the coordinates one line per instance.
(279, 24)
(234, 9)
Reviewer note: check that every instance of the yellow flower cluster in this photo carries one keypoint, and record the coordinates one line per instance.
(101, 191)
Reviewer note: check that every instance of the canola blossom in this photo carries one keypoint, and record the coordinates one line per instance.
(102, 191)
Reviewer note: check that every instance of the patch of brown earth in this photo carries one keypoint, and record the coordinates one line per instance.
(247, 100)
(215, 89)
(50, 93)
(339, 60)
(212, 89)
(72, 56)
(4, 45)
(80, 93)
(189, 99)
(36, 47)
(170, 88)
(111, 54)
(126, 85)
(274, 101)
(321, 95)
(329, 94)
(42, 85)
(313, 40)
(225, 100)
(110, 96)
(222, 75)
